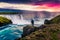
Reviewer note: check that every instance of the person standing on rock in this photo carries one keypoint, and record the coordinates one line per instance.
(32, 22)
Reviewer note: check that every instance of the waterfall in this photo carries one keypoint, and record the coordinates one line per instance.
(15, 18)
(21, 19)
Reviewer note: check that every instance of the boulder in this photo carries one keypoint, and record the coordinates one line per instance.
(27, 30)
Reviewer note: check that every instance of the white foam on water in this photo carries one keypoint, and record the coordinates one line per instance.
(16, 19)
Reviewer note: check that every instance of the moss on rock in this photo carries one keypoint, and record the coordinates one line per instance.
(4, 21)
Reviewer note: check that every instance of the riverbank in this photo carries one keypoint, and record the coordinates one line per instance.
(50, 32)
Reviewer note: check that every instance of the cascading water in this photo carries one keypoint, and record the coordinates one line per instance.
(15, 18)
(19, 19)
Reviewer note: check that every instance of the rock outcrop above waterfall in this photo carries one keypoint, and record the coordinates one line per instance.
(4, 21)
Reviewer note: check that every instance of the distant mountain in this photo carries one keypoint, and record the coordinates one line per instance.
(9, 10)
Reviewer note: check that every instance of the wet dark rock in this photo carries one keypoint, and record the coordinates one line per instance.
(47, 22)
(28, 29)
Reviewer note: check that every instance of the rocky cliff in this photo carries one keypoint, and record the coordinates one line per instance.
(49, 31)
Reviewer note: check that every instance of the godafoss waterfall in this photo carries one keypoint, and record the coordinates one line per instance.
(13, 31)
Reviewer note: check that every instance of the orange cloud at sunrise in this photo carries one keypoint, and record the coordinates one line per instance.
(48, 8)
(30, 7)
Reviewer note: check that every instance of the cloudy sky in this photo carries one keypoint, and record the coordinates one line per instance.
(31, 5)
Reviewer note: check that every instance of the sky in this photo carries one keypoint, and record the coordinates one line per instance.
(31, 5)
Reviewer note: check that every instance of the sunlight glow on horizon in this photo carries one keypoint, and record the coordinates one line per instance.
(30, 7)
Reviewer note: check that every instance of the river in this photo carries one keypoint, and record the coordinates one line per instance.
(11, 32)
